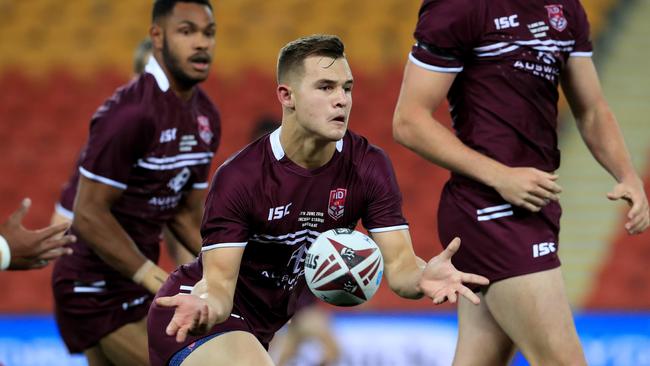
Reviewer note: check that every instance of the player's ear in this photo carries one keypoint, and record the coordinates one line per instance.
(156, 35)
(285, 96)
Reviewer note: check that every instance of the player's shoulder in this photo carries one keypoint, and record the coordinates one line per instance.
(131, 101)
(363, 151)
(205, 102)
(455, 7)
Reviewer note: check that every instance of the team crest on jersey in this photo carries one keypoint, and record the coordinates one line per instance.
(556, 17)
(337, 203)
(205, 132)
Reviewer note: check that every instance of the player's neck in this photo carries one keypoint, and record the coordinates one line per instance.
(309, 152)
(183, 92)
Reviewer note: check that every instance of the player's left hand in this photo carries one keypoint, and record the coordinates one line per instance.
(441, 281)
(638, 217)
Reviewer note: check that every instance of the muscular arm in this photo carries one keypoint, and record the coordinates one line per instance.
(186, 224)
(414, 127)
(600, 131)
(401, 267)
(95, 223)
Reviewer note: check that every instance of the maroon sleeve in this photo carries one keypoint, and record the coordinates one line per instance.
(583, 46)
(225, 222)
(118, 138)
(383, 197)
(446, 32)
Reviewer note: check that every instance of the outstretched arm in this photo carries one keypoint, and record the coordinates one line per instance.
(600, 131)
(410, 277)
(29, 249)
(414, 127)
(211, 300)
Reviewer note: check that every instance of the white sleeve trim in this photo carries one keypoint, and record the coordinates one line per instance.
(581, 54)
(388, 228)
(203, 185)
(101, 179)
(223, 245)
(63, 211)
(433, 68)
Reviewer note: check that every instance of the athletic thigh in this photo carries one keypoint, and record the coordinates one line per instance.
(96, 357)
(481, 341)
(534, 311)
(127, 345)
(231, 348)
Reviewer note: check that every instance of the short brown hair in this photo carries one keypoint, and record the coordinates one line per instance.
(295, 52)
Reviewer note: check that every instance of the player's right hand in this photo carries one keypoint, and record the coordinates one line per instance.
(529, 188)
(192, 315)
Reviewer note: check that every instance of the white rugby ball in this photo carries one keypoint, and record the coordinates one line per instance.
(343, 267)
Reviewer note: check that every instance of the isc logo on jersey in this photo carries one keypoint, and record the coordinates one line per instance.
(542, 249)
(279, 212)
(343, 267)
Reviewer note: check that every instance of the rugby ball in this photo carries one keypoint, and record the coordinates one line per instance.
(343, 267)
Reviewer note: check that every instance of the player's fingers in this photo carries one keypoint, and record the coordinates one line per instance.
(439, 299)
(529, 206)
(536, 201)
(452, 297)
(469, 295)
(54, 254)
(551, 187)
(181, 335)
(474, 278)
(58, 242)
(17, 216)
(172, 327)
(451, 249)
(167, 301)
(51, 230)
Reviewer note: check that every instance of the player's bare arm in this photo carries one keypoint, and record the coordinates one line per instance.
(408, 276)
(96, 224)
(415, 128)
(211, 300)
(601, 133)
(186, 224)
(30, 249)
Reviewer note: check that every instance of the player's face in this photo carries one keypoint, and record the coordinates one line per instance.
(188, 43)
(323, 96)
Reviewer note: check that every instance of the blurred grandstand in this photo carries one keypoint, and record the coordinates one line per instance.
(60, 59)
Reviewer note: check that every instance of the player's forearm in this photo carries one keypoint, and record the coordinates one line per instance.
(420, 132)
(107, 238)
(603, 137)
(187, 229)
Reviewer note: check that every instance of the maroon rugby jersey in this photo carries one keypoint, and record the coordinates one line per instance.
(152, 145)
(262, 201)
(509, 55)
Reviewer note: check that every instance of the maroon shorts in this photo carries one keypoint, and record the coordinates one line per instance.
(498, 240)
(88, 310)
(161, 346)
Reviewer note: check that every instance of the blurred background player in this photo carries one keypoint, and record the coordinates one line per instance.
(145, 165)
(30, 249)
(64, 206)
(225, 307)
(500, 66)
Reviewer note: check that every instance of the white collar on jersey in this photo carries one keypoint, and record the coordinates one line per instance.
(154, 69)
(278, 151)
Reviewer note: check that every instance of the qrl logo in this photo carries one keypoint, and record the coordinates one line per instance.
(543, 249)
(337, 202)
